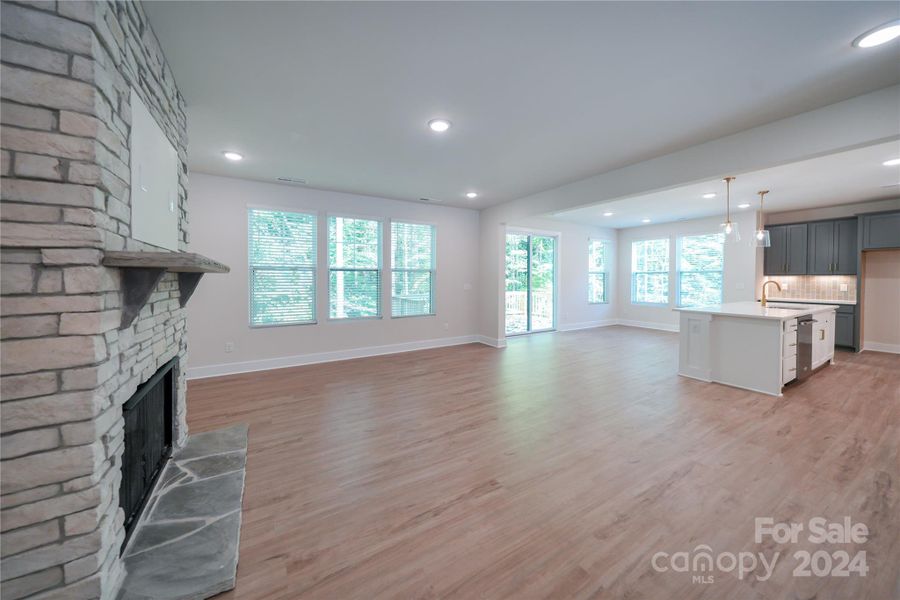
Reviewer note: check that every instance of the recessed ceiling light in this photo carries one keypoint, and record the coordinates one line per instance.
(892, 163)
(709, 195)
(439, 125)
(471, 195)
(231, 155)
(879, 35)
(608, 214)
(744, 205)
(645, 220)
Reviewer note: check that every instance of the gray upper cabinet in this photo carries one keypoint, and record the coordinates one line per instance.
(787, 254)
(880, 230)
(821, 248)
(832, 247)
(846, 248)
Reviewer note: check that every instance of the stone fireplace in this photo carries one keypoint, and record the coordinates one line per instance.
(68, 364)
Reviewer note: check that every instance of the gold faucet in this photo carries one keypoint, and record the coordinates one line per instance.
(778, 285)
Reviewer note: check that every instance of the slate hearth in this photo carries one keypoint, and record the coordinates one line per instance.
(186, 546)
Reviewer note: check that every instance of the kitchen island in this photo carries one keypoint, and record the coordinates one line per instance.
(755, 347)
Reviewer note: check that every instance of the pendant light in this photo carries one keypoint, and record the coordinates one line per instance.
(761, 239)
(729, 227)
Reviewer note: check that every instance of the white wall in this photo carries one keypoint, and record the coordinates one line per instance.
(218, 311)
(573, 309)
(832, 212)
(881, 301)
(742, 268)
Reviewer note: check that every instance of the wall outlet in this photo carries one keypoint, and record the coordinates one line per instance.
(467, 286)
(446, 326)
(229, 346)
(843, 287)
(785, 286)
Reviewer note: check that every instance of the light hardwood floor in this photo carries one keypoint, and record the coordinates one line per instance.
(555, 468)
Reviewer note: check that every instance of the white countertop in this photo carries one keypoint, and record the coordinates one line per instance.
(754, 310)
(812, 301)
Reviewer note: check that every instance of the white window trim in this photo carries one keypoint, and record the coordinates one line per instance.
(606, 244)
(667, 272)
(379, 270)
(250, 268)
(433, 271)
(679, 271)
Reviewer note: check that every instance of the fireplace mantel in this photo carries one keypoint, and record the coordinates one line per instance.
(142, 271)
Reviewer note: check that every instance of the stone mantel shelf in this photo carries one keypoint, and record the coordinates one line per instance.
(142, 271)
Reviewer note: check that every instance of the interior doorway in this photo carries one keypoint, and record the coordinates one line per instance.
(530, 283)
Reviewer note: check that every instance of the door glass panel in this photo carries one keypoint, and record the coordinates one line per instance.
(530, 283)
(542, 260)
(516, 283)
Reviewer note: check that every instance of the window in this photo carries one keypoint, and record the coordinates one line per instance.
(282, 261)
(354, 268)
(412, 269)
(650, 271)
(700, 262)
(597, 272)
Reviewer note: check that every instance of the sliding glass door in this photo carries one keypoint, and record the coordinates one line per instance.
(530, 283)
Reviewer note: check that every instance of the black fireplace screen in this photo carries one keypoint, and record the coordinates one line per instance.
(148, 440)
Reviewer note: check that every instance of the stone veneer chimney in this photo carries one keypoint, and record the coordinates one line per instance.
(67, 72)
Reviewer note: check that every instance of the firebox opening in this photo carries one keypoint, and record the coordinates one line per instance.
(149, 422)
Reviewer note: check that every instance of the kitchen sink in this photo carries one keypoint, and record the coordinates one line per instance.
(788, 305)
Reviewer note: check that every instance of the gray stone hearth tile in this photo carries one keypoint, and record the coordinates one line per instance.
(198, 499)
(197, 566)
(172, 474)
(210, 466)
(186, 546)
(156, 534)
(214, 442)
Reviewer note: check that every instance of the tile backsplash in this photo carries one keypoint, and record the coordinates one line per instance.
(814, 287)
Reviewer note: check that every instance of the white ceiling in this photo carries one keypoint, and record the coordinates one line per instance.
(540, 94)
(843, 178)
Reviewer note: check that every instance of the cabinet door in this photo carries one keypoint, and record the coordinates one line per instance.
(823, 337)
(829, 334)
(845, 247)
(843, 329)
(774, 263)
(820, 257)
(881, 231)
(796, 250)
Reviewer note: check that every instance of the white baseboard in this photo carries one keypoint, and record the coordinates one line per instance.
(648, 325)
(587, 325)
(489, 341)
(879, 347)
(299, 360)
(322, 357)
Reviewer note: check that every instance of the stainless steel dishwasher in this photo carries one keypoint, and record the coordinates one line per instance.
(804, 345)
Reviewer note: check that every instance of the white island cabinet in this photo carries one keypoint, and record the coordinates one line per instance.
(746, 345)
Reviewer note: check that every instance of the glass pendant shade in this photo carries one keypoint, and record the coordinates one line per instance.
(731, 231)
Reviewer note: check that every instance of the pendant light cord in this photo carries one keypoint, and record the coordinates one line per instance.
(728, 199)
(759, 217)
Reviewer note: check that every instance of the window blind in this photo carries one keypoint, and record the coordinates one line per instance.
(650, 271)
(597, 272)
(412, 269)
(354, 268)
(701, 260)
(282, 261)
